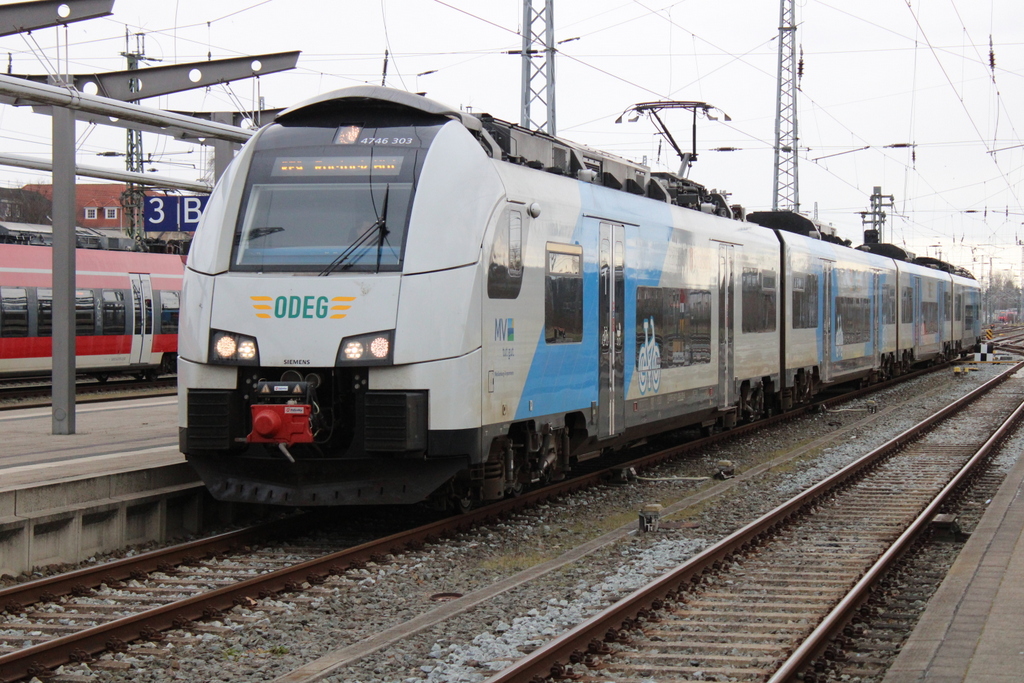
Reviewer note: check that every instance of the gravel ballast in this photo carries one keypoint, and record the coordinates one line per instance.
(276, 636)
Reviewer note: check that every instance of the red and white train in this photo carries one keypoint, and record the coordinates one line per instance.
(126, 311)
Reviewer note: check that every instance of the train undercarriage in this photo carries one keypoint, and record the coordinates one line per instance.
(322, 438)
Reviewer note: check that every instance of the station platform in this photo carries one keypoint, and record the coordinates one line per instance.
(112, 436)
(118, 481)
(972, 630)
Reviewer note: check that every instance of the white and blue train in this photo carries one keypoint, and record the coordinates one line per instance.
(388, 301)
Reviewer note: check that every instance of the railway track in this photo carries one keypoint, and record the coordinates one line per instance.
(203, 579)
(768, 602)
(16, 394)
(903, 594)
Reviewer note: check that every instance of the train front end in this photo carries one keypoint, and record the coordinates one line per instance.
(328, 306)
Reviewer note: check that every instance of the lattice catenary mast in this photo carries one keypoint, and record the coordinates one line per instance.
(787, 192)
(538, 59)
(133, 197)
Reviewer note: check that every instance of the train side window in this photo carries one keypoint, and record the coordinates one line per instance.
(805, 301)
(758, 300)
(677, 321)
(563, 294)
(505, 273)
(907, 305)
(930, 316)
(853, 320)
(698, 329)
(113, 311)
(13, 312)
(888, 305)
(958, 308)
(170, 304)
(85, 313)
(515, 244)
(44, 311)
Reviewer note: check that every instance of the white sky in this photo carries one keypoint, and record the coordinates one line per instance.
(876, 73)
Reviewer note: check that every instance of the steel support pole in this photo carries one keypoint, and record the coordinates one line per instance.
(223, 150)
(63, 303)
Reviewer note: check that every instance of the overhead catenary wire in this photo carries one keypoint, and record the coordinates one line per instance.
(960, 99)
(336, 70)
(387, 41)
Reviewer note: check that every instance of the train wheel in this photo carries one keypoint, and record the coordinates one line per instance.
(102, 377)
(461, 505)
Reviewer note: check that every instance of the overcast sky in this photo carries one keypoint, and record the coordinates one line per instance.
(876, 73)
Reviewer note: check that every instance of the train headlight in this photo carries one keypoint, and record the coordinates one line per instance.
(367, 349)
(229, 348)
(247, 349)
(225, 346)
(380, 347)
(354, 350)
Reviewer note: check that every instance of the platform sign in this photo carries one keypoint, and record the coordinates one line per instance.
(173, 214)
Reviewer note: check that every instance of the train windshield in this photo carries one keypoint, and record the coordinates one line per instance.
(324, 196)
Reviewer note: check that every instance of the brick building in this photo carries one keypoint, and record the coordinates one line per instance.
(97, 205)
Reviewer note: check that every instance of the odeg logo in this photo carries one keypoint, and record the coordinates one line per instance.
(293, 307)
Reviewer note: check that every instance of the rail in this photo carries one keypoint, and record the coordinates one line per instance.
(588, 639)
(38, 659)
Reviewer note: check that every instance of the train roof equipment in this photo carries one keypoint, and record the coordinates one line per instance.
(797, 223)
(515, 144)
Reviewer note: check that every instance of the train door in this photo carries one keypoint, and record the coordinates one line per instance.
(611, 265)
(726, 325)
(142, 316)
(826, 321)
(876, 316)
(915, 283)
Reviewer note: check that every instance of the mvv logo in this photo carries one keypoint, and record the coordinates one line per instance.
(504, 329)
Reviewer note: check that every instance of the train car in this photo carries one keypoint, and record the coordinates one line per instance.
(126, 311)
(388, 301)
(966, 311)
(840, 314)
(924, 312)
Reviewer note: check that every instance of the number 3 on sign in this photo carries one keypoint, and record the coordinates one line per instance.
(157, 207)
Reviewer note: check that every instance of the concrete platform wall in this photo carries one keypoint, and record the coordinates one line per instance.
(71, 521)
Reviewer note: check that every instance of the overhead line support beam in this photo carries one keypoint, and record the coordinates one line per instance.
(18, 91)
(29, 16)
(105, 173)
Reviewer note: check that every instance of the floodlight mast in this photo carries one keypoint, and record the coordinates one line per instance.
(653, 109)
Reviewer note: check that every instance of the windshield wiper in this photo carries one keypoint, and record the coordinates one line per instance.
(383, 234)
(379, 226)
(257, 233)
